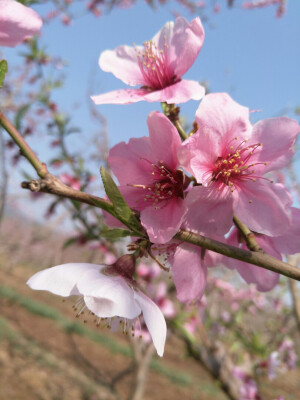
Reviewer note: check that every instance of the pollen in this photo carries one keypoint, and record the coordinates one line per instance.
(165, 184)
(234, 167)
(154, 65)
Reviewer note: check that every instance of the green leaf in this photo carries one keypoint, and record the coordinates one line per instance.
(3, 70)
(123, 211)
(116, 233)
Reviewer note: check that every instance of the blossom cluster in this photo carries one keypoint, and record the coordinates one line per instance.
(199, 182)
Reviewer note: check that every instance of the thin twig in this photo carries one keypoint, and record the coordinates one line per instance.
(40, 167)
(247, 235)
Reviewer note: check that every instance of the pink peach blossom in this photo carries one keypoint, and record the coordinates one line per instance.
(150, 180)
(157, 66)
(230, 156)
(17, 23)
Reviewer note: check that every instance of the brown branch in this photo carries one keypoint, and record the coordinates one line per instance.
(214, 357)
(52, 185)
(142, 354)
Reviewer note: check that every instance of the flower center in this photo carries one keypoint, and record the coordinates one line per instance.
(154, 66)
(236, 165)
(166, 185)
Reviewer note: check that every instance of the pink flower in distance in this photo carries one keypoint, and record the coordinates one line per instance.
(230, 156)
(70, 180)
(157, 66)
(105, 295)
(17, 23)
(150, 181)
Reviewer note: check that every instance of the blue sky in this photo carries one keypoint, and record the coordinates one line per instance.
(249, 54)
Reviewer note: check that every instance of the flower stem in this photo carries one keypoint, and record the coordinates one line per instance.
(172, 112)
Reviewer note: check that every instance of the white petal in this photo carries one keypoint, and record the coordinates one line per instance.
(113, 291)
(62, 279)
(154, 320)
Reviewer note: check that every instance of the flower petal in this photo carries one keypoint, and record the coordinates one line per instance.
(264, 279)
(183, 41)
(154, 320)
(164, 139)
(209, 210)
(289, 242)
(62, 279)
(117, 295)
(17, 23)
(131, 163)
(180, 92)
(189, 273)
(277, 135)
(264, 207)
(220, 119)
(123, 63)
(223, 119)
(163, 223)
(121, 96)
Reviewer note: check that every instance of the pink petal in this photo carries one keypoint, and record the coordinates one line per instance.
(17, 23)
(164, 139)
(163, 223)
(180, 92)
(209, 211)
(122, 96)
(198, 155)
(277, 135)
(289, 242)
(264, 207)
(154, 320)
(183, 40)
(220, 117)
(264, 279)
(123, 63)
(131, 163)
(189, 273)
(117, 295)
(62, 279)
(112, 222)
(220, 120)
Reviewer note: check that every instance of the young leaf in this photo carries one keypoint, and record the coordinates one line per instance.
(123, 211)
(3, 70)
(116, 233)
